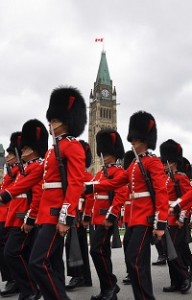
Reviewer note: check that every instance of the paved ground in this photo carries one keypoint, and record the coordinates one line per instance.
(160, 279)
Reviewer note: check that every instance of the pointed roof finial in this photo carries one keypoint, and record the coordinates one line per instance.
(91, 94)
(103, 76)
(114, 92)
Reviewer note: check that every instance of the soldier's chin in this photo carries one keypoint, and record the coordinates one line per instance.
(10, 159)
(24, 156)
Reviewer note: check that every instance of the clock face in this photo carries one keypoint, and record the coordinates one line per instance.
(105, 93)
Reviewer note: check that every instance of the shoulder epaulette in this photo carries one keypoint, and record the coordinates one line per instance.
(70, 138)
(150, 154)
(117, 165)
(181, 173)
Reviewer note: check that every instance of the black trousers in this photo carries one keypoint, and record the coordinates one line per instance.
(16, 252)
(178, 271)
(138, 258)
(81, 271)
(187, 256)
(185, 249)
(101, 254)
(46, 263)
(4, 269)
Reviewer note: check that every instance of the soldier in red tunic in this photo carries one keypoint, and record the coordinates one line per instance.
(142, 135)
(187, 169)
(177, 184)
(24, 196)
(106, 211)
(12, 169)
(64, 170)
(185, 201)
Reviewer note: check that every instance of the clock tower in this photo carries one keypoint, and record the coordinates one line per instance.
(102, 108)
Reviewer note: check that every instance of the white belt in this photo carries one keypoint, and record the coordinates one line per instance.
(127, 202)
(101, 197)
(51, 185)
(171, 201)
(22, 196)
(91, 182)
(139, 195)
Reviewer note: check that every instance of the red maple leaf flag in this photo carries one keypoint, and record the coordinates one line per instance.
(99, 40)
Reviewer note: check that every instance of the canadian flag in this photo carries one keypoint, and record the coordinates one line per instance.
(99, 40)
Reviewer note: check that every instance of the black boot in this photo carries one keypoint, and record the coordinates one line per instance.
(185, 286)
(10, 289)
(171, 289)
(35, 296)
(97, 297)
(78, 282)
(127, 280)
(160, 261)
(111, 294)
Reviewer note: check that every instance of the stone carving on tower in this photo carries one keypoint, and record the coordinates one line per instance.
(102, 108)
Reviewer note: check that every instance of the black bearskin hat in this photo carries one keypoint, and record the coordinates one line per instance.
(88, 154)
(171, 151)
(35, 135)
(128, 158)
(186, 168)
(15, 142)
(142, 126)
(109, 142)
(67, 105)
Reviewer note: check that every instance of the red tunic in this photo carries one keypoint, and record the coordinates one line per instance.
(19, 205)
(184, 186)
(7, 182)
(102, 208)
(186, 200)
(142, 207)
(53, 198)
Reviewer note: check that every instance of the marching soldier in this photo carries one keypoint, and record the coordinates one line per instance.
(24, 196)
(185, 203)
(177, 184)
(187, 255)
(12, 169)
(64, 170)
(106, 210)
(81, 275)
(142, 135)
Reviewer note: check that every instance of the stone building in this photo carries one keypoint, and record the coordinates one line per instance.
(102, 108)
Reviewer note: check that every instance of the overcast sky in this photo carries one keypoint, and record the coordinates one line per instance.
(148, 44)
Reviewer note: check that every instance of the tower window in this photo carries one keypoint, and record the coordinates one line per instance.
(105, 113)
